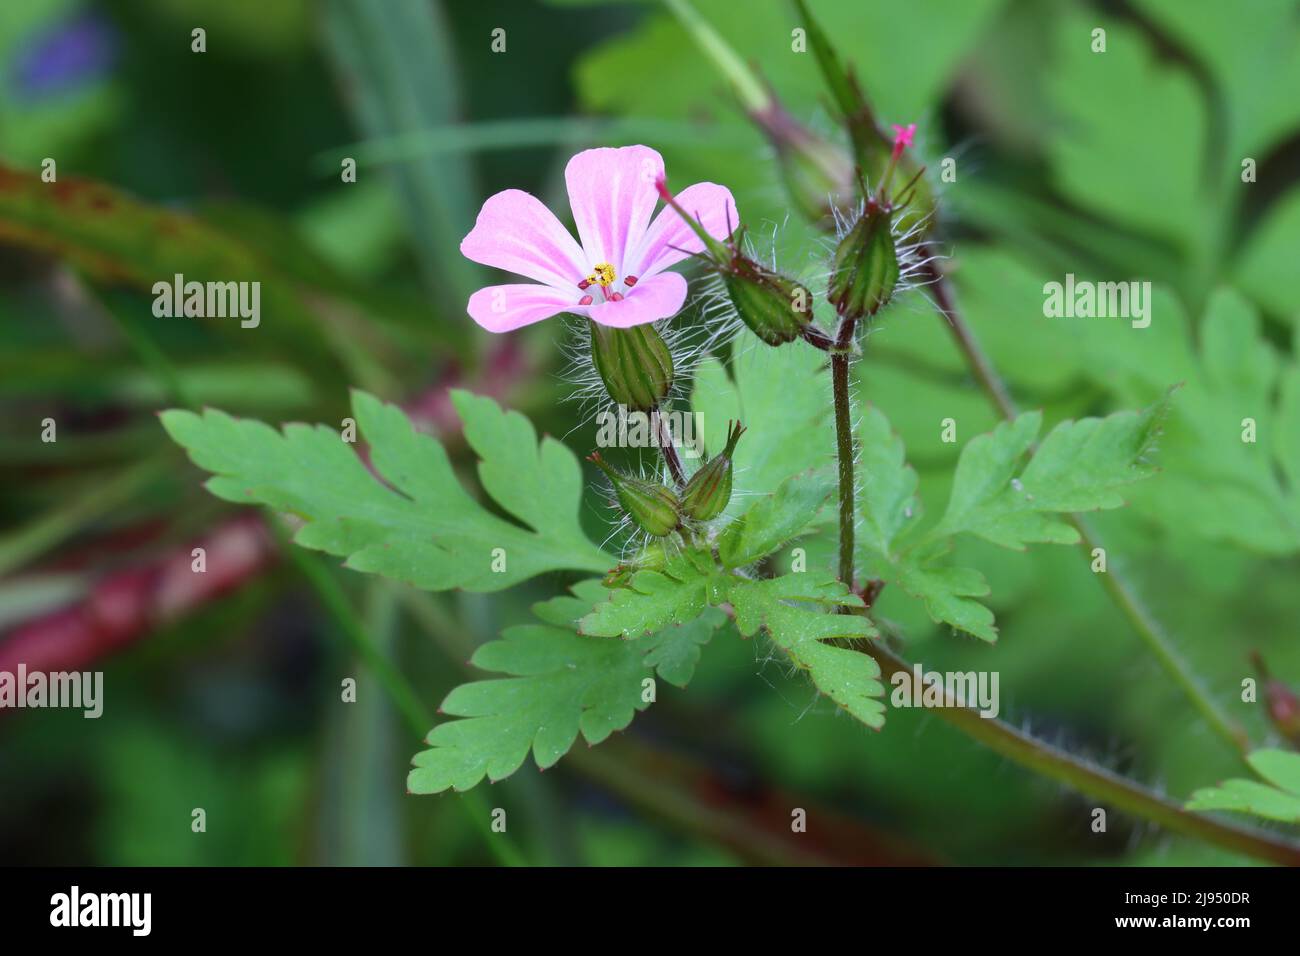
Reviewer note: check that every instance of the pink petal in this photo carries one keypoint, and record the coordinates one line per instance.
(714, 207)
(517, 233)
(612, 192)
(504, 308)
(903, 134)
(657, 297)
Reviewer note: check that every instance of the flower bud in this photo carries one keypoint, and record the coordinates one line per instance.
(654, 508)
(709, 489)
(775, 308)
(634, 364)
(865, 269)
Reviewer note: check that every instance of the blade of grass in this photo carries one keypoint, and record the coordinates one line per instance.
(516, 134)
(29, 542)
(417, 717)
(398, 71)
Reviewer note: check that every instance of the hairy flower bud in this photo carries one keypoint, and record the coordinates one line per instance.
(865, 269)
(634, 364)
(775, 308)
(709, 489)
(654, 508)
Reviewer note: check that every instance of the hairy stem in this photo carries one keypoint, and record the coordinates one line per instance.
(844, 446)
(1116, 587)
(817, 338)
(1044, 759)
(671, 458)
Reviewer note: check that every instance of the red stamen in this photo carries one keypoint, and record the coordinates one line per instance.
(585, 300)
(616, 297)
(629, 281)
(584, 283)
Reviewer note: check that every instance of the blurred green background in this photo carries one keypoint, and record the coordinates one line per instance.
(225, 695)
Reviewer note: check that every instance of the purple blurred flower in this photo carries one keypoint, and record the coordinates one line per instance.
(63, 56)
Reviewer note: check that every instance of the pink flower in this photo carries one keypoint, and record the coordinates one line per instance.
(616, 276)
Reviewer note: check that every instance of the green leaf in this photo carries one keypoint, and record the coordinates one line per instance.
(775, 519)
(676, 648)
(1230, 452)
(904, 63)
(1266, 267)
(798, 611)
(1277, 799)
(848, 677)
(1124, 156)
(1257, 70)
(946, 591)
(996, 494)
(654, 599)
(889, 507)
(559, 684)
(782, 393)
(412, 520)
(1281, 768)
(1078, 467)
(887, 487)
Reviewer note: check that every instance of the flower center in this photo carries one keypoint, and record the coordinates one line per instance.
(603, 275)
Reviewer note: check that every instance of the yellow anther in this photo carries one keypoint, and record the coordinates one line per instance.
(604, 274)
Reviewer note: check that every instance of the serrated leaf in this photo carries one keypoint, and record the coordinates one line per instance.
(677, 648)
(1078, 467)
(1277, 799)
(850, 678)
(798, 612)
(996, 495)
(653, 599)
(1232, 446)
(411, 521)
(560, 684)
(947, 591)
(776, 518)
(887, 486)
(888, 507)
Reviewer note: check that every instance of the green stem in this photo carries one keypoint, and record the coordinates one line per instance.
(1118, 589)
(1158, 643)
(1044, 759)
(748, 87)
(844, 447)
